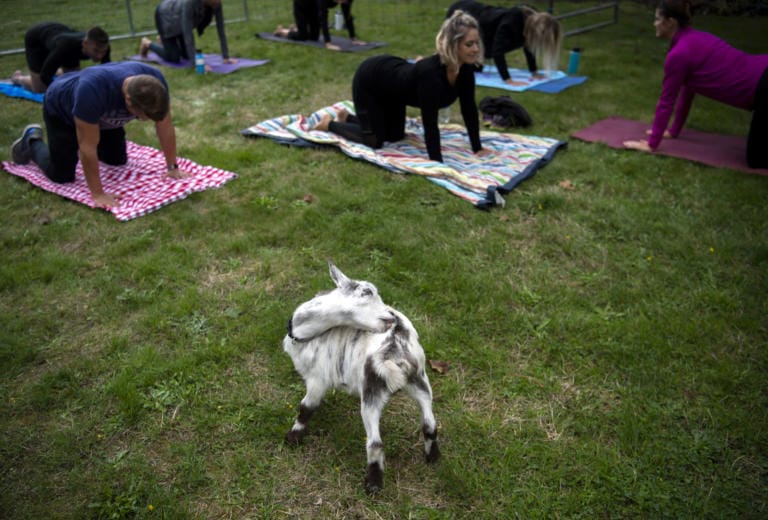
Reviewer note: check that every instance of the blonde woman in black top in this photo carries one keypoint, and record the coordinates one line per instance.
(384, 85)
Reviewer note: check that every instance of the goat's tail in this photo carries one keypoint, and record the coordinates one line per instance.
(394, 374)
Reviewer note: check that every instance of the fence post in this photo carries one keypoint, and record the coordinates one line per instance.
(130, 17)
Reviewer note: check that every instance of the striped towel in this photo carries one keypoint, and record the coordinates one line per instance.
(479, 180)
(141, 183)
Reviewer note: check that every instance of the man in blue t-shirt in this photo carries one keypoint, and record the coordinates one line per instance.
(85, 113)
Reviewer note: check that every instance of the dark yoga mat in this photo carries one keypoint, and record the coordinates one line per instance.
(214, 61)
(345, 43)
(720, 151)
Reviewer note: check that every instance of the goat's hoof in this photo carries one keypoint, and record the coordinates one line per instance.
(374, 480)
(434, 453)
(294, 437)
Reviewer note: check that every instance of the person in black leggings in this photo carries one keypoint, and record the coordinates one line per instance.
(384, 85)
(311, 18)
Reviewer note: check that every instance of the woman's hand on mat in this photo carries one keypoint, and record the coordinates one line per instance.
(358, 42)
(514, 83)
(483, 152)
(106, 200)
(537, 75)
(641, 145)
(667, 135)
(332, 46)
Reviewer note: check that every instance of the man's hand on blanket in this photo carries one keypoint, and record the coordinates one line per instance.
(177, 173)
(106, 200)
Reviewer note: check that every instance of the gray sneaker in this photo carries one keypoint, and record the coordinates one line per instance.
(21, 153)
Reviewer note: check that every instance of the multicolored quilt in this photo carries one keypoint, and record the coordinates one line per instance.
(479, 180)
(142, 183)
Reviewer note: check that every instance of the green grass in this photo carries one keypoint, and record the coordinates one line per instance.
(607, 343)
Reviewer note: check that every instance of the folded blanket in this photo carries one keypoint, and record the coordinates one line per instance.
(479, 180)
(346, 44)
(142, 183)
(7, 88)
(214, 61)
(555, 82)
(720, 151)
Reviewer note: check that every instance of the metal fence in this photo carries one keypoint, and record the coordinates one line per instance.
(124, 19)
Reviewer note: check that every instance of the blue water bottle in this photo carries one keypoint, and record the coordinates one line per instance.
(573, 61)
(199, 62)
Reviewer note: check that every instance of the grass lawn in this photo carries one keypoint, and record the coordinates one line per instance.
(606, 336)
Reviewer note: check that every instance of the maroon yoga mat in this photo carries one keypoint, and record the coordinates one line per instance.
(720, 151)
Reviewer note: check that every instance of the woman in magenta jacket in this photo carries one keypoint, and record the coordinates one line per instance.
(701, 63)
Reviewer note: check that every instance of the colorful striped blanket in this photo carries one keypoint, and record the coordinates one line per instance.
(479, 180)
(142, 183)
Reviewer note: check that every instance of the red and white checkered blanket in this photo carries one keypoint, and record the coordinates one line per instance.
(141, 183)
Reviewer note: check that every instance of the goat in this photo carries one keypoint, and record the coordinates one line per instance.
(348, 338)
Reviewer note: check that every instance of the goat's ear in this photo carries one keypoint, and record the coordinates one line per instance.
(339, 278)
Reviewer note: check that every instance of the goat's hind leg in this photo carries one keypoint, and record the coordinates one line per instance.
(421, 392)
(372, 405)
(309, 404)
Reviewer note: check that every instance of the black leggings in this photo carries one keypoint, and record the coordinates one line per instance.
(379, 118)
(353, 130)
(757, 139)
(306, 18)
(58, 160)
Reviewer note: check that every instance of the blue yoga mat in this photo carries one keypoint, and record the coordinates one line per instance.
(556, 82)
(558, 85)
(9, 89)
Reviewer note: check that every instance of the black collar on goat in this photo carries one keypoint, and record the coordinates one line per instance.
(290, 332)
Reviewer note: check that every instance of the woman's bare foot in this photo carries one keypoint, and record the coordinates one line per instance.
(342, 115)
(144, 47)
(322, 125)
(280, 31)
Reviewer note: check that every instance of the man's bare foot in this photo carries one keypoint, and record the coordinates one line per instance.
(322, 125)
(342, 115)
(16, 78)
(144, 47)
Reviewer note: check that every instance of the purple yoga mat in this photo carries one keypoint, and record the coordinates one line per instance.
(214, 61)
(720, 151)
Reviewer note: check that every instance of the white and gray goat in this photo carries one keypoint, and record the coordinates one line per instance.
(348, 338)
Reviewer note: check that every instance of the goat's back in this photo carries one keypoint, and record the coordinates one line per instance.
(343, 357)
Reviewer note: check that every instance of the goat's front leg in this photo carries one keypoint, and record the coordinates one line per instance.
(421, 392)
(310, 403)
(371, 408)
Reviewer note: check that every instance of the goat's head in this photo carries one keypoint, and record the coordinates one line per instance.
(354, 303)
(359, 303)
